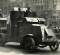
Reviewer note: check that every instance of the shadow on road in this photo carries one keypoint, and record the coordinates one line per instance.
(45, 51)
(18, 49)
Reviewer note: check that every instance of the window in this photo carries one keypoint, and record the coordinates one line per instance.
(55, 0)
(55, 3)
(20, 0)
(17, 0)
(1, 0)
(2, 23)
(5, 10)
(42, 0)
(41, 7)
(54, 6)
(5, 0)
(42, 3)
(37, 1)
(12, 0)
(37, 7)
(27, 5)
(9, 9)
(18, 5)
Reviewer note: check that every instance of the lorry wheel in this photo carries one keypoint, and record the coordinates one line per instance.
(2, 39)
(30, 44)
(54, 47)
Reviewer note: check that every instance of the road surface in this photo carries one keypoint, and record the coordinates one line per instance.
(15, 49)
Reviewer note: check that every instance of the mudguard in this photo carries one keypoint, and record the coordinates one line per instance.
(36, 30)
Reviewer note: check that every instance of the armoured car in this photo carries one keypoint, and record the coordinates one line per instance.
(30, 32)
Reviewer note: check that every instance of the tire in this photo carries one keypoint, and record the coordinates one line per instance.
(54, 47)
(2, 39)
(30, 44)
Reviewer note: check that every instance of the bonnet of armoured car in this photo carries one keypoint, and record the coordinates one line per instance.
(31, 19)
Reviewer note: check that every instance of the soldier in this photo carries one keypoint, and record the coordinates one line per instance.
(19, 9)
(21, 14)
(28, 10)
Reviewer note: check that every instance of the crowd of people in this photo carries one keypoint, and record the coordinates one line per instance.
(57, 31)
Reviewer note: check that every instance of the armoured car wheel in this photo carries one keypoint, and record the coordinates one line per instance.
(54, 47)
(2, 39)
(30, 44)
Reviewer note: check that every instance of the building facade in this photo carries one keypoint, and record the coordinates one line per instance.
(7, 5)
(46, 7)
(40, 4)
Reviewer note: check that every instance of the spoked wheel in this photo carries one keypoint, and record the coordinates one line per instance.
(54, 47)
(30, 44)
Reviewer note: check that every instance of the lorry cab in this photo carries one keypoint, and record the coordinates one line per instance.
(3, 30)
(30, 32)
(3, 25)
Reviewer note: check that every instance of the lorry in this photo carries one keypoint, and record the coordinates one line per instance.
(29, 31)
(3, 30)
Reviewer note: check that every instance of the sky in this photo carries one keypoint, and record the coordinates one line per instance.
(58, 5)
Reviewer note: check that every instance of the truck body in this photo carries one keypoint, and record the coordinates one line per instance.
(29, 31)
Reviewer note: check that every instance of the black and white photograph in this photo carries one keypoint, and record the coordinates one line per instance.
(29, 27)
